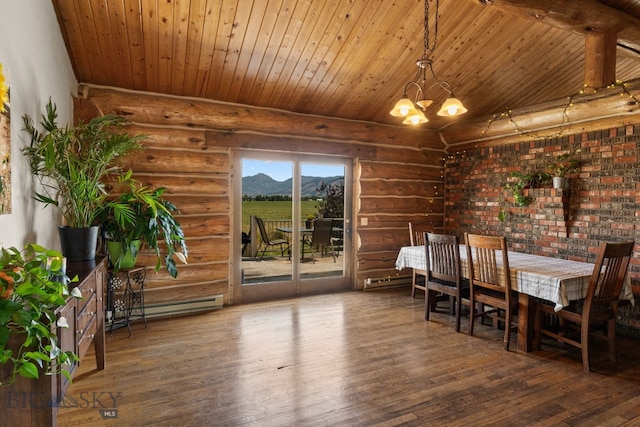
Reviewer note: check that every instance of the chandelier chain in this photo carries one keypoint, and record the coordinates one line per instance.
(428, 48)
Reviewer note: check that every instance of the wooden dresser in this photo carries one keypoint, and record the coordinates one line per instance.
(28, 402)
(88, 313)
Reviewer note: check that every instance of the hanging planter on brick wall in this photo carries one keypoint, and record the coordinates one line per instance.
(559, 182)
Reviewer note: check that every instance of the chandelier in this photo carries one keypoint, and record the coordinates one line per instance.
(413, 111)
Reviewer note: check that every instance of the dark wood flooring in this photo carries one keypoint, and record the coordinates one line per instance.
(348, 359)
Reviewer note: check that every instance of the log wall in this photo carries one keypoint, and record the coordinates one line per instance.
(398, 178)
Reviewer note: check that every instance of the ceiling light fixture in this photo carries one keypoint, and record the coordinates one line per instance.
(411, 110)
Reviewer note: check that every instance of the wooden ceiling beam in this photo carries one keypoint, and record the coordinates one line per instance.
(580, 16)
(599, 59)
(576, 114)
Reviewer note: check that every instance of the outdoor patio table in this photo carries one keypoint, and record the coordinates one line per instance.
(289, 231)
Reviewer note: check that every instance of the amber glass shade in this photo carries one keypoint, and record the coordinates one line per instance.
(415, 118)
(403, 108)
(452, 107)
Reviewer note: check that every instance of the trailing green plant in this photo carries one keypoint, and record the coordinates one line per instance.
(75, 160)
(141, 213)
(503, 214)
(540, 179)
(522, 181)
(564, 164)
(32, 286)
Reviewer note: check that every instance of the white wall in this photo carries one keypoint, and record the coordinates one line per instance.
(35, 61)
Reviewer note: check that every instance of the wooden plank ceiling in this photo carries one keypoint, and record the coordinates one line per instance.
(348, 59)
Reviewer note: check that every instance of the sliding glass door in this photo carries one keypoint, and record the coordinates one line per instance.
(294, 223)
(322, 233)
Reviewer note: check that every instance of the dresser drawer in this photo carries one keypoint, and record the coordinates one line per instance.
(85, 336)
(88, 290)
(87, 312)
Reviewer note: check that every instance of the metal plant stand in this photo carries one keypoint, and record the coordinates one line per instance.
(125, 297)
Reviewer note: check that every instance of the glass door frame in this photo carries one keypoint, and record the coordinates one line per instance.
(295, 286)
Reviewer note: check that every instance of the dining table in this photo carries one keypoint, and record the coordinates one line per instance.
(555, 280)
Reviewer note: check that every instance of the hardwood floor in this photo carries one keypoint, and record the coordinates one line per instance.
(355, 358)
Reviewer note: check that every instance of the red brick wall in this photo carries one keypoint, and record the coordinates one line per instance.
(602, 204)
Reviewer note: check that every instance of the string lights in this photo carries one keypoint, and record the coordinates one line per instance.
(586, 90)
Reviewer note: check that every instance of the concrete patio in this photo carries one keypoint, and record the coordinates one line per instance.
(273, 268)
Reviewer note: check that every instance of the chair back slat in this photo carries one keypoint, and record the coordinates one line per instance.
(416, 234)
(609, 272)
(443, 257)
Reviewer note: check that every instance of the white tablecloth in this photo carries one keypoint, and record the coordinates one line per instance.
(553, 279)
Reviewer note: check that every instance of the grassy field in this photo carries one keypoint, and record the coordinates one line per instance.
(270, 210)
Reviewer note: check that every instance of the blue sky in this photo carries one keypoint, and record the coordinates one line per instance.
(281, 171)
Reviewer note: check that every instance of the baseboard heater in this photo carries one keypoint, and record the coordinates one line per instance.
(183, 307)
(372, 284)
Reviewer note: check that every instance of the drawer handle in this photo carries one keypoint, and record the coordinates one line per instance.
(80, 331)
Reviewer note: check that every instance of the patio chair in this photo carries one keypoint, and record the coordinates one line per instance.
(600, 306)
(337, 233)
(267, 241)
(444, 274)
(490, 282)
(321, 238)
(246, 240)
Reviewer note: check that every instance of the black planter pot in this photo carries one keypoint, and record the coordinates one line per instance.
(78, 244)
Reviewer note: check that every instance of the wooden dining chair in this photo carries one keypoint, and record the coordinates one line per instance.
(598, 308)
(490, 282)
(444, 274)
(416, 237)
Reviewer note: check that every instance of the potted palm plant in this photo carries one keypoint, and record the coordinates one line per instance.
(32, 286)
(75, 160)
(141, 216)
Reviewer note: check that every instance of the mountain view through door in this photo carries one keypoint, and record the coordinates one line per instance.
(293, 222)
